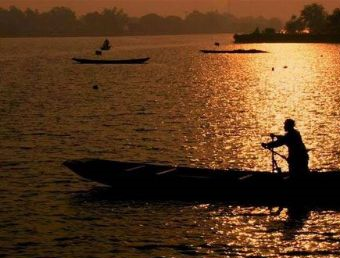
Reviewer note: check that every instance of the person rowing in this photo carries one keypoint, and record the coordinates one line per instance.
(106, 45)
(297, 152)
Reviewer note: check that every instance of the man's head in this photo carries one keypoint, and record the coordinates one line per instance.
(289, 124)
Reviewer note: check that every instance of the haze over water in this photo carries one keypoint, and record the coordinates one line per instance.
(183, 108)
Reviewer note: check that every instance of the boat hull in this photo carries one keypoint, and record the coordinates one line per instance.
(235, 51)
(139, 180)
(114, 61)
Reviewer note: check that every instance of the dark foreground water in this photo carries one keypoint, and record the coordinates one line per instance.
(182, 108)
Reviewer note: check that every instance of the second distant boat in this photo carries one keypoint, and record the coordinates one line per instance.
(235, 51)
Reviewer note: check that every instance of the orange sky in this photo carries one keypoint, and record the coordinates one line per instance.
(267, 8)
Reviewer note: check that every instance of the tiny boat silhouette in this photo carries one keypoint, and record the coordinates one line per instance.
(235, 51)
(111, 61)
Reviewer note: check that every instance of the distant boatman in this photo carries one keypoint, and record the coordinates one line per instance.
(297, 152)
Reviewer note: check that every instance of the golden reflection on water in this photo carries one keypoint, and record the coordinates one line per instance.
(249, 96)
(269, 231)
(185, 107)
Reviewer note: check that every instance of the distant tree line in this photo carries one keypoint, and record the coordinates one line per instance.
(315, 20)
(62, 21)
(313, 25)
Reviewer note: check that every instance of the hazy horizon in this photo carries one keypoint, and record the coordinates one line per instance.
(282, 9)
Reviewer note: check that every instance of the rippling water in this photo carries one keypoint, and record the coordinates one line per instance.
(183, 107)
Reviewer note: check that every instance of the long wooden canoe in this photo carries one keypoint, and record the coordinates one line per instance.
(111, 61)
(129, 179)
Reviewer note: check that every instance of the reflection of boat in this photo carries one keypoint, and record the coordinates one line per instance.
(159, 181)
(235, 51)
(112, 61)
(106, 45)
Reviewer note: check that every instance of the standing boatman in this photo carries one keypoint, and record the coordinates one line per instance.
(297, 152)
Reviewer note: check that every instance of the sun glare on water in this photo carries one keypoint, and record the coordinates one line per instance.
(246, 97)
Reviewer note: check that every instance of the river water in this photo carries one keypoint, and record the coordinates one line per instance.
(183, 108)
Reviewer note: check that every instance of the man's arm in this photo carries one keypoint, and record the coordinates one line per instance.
(280, 140)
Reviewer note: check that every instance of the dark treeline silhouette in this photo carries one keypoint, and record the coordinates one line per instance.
(62, 21)
(314, 25)
(314, 19)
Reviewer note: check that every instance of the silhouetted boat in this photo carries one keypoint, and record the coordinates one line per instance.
(286, 38)
(235, 51)
(139, 180)
(112, 61)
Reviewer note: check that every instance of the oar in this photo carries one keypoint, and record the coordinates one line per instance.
(274, 163)
(278, 154)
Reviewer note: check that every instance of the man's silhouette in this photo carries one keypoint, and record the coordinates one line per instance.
(298, 156)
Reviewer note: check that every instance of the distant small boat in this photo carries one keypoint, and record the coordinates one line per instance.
(235, 51)
(106, 45)
(111, 61)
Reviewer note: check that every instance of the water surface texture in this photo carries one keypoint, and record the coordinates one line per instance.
(183, 108)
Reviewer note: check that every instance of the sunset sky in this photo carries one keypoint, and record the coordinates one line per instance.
(268, 8)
